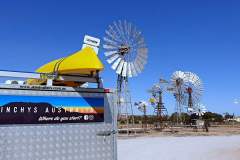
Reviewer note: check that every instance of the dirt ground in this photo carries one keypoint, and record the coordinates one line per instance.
(220, 130)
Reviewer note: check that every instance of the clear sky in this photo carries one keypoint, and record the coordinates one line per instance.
(198, 36)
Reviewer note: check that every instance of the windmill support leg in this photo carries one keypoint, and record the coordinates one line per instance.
(178, 113)
(124, 104)
(145, 122)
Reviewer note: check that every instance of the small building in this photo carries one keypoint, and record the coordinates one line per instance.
(237, 119)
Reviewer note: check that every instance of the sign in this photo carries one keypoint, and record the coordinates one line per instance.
(50, 109)
(91, 41)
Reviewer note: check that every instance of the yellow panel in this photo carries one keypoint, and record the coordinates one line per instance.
(82, 62)
(49, 67)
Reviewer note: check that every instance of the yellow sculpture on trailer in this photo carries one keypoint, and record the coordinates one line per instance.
(83, 62)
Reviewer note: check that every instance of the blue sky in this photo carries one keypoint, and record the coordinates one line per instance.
(197, 36)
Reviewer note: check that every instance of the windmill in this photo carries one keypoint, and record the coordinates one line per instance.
(126, 51)
(199, 109)
(157, 101)
(177, 81)
(187, 90)
(193, 89)
(142, 107)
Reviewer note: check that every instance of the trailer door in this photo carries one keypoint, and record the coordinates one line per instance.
(77, 125)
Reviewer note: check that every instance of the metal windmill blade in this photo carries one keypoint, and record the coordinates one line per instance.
(141, 106)
(125, 48)
(193, 89)
(161, 86)
(177, 86)
(155, 90)
(199, 109)
(177, 79)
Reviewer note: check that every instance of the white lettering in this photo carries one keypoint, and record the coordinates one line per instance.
(22, 109)
(29, 109)
(15, 109)
(35, 110)
(8, 109)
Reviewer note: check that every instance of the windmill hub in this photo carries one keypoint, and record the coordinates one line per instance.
(189, 90)
(179, 81)
(124, 49)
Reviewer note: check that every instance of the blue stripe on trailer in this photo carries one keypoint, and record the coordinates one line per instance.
(56, 101)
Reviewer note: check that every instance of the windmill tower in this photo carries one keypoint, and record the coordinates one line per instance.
(126, 51)
(157, 100)
(177, 82)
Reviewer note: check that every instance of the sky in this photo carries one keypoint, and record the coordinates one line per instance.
(197, 36)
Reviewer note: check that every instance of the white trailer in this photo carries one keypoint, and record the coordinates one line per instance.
(48, 122)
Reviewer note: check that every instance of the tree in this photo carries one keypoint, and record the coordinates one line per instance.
(228, 116)
(184, 117)
(213, 117)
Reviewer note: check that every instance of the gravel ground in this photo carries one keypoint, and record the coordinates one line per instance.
(180, 148)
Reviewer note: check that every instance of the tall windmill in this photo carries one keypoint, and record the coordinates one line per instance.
(187, 90)
(157, 101)
(126, 51)
(193, 89)
(177, 82)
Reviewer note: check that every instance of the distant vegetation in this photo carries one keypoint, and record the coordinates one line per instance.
(186, 118)
(213, 117)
